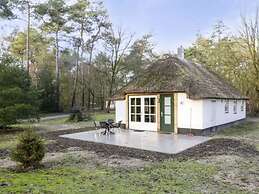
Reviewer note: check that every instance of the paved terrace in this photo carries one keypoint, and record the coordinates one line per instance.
(144, 140)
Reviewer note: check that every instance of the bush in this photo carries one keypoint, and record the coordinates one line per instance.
(76, 117)
(18, 98)
(30, 149)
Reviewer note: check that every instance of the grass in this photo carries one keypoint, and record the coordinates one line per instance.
(103, 116)
(243, 129)
(169, 176)
(8, 140)
(59, 123)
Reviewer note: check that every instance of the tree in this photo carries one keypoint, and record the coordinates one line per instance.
(89, 20)
(40, 48)
(79, 16)
(54, 17)
(140, 55)
(116, 45)
(249, 34)
(46, 89)
(30, 149)
(18, 100)
(6, 9)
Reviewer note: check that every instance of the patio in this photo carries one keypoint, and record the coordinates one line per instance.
(144, 140)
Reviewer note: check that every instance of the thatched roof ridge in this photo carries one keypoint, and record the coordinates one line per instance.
(179, 75)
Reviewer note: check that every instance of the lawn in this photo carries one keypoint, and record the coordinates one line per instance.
(64, 124)
(166, 177)
(247, 131)
(73, 173)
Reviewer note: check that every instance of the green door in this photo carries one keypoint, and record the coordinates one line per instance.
(166, 113)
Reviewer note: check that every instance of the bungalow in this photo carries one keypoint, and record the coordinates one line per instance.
(178, 96)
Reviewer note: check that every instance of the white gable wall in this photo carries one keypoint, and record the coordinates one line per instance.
(189, 112)
(120, 111)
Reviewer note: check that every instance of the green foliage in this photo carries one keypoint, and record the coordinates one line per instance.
(29, 150)
(54, 13)
(76, 116)
(6, 9)
(229, 56)
(18, 100)
(47, 90)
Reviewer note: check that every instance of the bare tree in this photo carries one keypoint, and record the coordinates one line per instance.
(116, 46)
(250, 36)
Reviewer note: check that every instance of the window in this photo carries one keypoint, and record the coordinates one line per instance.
(135, 109)
(235, 107)
(150, 110)
(242, 105)
(226, 106)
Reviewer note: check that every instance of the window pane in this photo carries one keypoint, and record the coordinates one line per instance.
(152, 118)
(132, 109)
(146, 101)
(153, 110)
(147, 118)
(132, 118)
(167, 120)
(138, 109)
(168, 110)
(138, 101)
(132, 101)
(146, 110)
(152, 101)
(138, 118)
(168, 101)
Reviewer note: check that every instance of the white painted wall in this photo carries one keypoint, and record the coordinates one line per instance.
(189, 112)
(143, 125)
(202, 114)
(120, 111)
(214, 112)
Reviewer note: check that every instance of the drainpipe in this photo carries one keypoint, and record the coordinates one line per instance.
(190, 120)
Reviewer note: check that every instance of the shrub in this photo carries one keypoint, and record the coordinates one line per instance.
(18, 98)
(30, 149)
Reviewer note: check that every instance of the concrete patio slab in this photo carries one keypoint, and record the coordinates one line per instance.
(144, 140)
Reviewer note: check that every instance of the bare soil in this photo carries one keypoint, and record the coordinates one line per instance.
(218, 146)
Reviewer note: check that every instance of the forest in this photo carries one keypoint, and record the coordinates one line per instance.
(71, 56)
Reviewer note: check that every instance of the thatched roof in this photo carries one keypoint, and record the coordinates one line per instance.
(176, 75)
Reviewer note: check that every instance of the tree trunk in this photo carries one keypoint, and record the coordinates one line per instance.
(110, 93)
(77, 67)
(57, 74)
(28, 36)
(73, 102)
(88, 100)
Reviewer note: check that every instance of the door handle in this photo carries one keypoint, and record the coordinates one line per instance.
(162, 114)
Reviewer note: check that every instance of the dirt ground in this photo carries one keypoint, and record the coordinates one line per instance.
(121, 156)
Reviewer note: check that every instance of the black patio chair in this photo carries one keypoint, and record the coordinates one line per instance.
(111, 121)
(107, 126)
(117, 125)
(96, 126)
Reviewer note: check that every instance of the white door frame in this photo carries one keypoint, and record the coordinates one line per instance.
(142, 125)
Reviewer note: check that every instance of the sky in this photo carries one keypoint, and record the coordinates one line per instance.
(171, 22)
(177, 22)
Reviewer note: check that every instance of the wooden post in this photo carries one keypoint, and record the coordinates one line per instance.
(158, 112)
(175, 113)
(127, 110)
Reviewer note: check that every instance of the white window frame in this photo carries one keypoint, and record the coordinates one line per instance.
(242, 105)
(148, 106)
(135, 106)
(235, 106)
(226, 107)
